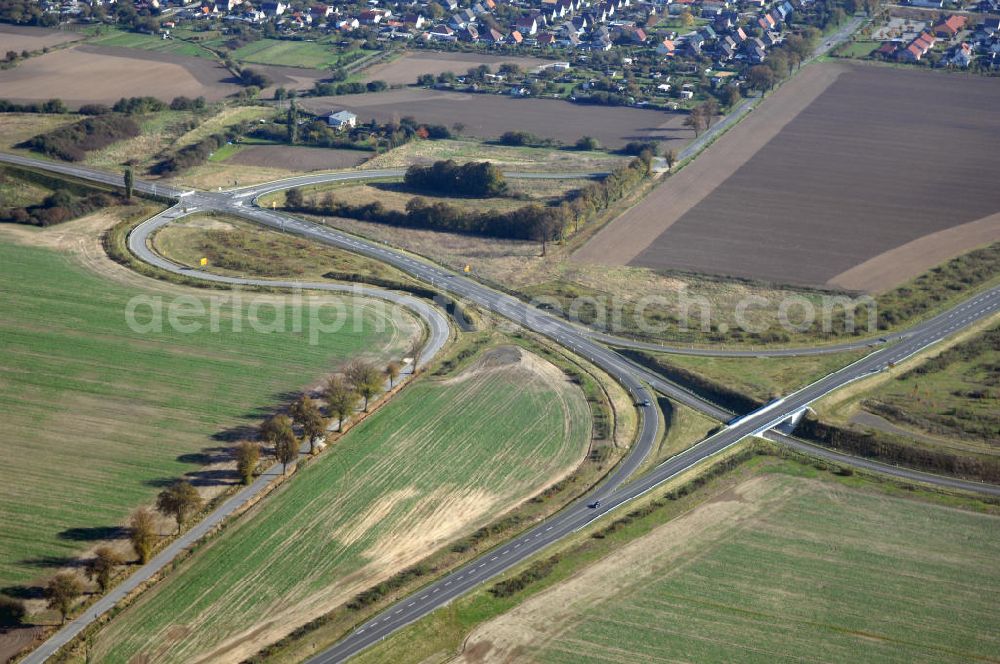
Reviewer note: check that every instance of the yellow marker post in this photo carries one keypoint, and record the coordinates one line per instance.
(468, 268)
(203, 262)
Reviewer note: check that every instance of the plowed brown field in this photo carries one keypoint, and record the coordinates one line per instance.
(879, 159)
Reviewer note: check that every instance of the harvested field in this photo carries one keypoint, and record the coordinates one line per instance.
(100, 414)
(442, 458)
(290, 78)
(23, 37)
(297, 158)
(778, 567)
(879, 159)
(101, 74)
(406, 69)
(488, 116)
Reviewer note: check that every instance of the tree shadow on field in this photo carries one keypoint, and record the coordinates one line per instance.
(215, 477)
(24, 592)
(235, 434)
(50, 562)
(94, 534)
(162, 482)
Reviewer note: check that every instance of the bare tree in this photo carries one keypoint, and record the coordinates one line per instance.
(671, 158)
(695, 120)
(392, 372)
(102, 566)
(142, 533)
(709, 109)
(179, 501)
(62, 591)
(341, 399)
(247, 457)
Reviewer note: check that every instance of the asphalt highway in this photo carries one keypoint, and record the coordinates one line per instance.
(613, 491)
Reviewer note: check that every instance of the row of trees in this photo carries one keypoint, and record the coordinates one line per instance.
(178, 501)
(532, 222)
(701, 116)
(361, 381)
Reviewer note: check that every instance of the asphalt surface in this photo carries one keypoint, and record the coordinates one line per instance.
(614, 491)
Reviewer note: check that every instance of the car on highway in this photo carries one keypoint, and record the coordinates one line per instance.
(594, 505)
(645, 403)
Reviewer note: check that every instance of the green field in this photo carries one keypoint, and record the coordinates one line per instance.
(290, 53)
(148, 42)
(955, 394)
(776, 562)
(811, 572)
(443, 457)
(97, 416)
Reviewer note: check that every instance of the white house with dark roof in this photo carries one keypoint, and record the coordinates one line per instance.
(342, 119)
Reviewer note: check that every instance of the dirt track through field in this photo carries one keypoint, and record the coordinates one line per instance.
(881, 158)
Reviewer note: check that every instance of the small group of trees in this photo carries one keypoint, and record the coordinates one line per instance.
(541, 223)
(58, 207)
(701, 116)
(73, 142)
(361, 381)
(475, 178)
(253, 78)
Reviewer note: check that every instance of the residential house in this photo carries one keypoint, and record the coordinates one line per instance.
(496, 36)
(415, 21)
(961, 56)
(441, 32)
(950, 27)
(666, 47)
(273, 9)
(515, 38)
(469, 34)
(546, 39)
(526, 25)
(342, 119)
(766, 22)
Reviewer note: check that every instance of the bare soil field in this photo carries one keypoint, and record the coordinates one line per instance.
(881, 158)
(298, 158)
(488, 116)
(101, 74)
(24, 37)
(290, 78)
(406, 69)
